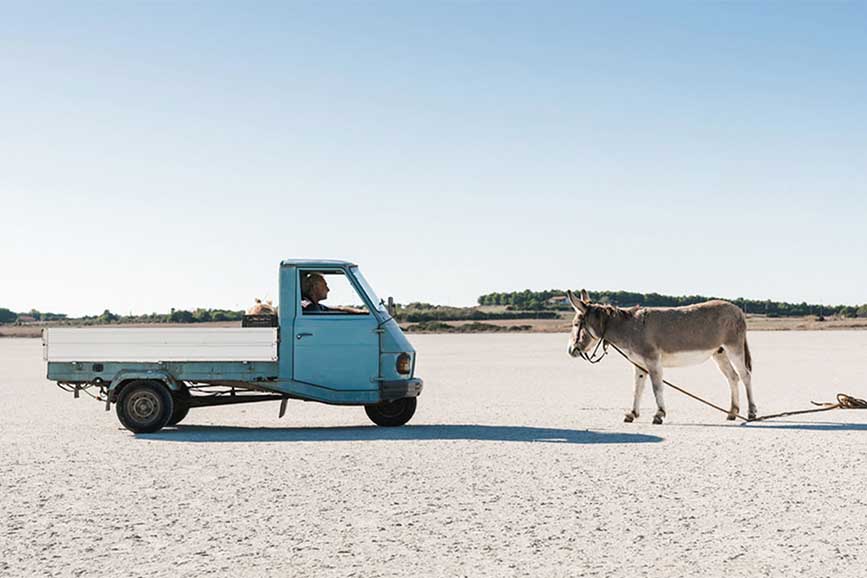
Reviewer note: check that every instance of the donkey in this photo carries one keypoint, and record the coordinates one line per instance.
(658, 337)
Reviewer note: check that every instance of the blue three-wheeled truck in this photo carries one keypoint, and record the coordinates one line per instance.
(305, 350)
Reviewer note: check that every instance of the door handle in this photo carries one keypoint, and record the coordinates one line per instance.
(300, 335)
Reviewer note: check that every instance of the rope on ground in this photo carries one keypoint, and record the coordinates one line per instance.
(844, 401)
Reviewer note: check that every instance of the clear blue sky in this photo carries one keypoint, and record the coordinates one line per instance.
(170, 154)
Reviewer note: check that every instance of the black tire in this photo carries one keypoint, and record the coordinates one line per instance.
(392, 413)
(182, 406)
(144, 406)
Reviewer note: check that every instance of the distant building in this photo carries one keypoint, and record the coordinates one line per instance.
(25, 319)
(558, 301)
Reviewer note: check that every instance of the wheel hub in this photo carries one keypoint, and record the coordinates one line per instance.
(143, 406)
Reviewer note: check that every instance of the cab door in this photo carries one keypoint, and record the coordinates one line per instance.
(338, 348)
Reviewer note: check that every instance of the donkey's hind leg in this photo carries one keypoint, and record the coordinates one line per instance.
(640, 380)
(725, 366)
(739, 355)
(658, 385)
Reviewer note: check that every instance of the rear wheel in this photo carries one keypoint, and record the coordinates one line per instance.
(145, 406)
(392, 413)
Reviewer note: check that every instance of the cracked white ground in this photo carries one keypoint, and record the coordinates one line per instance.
(516, 463)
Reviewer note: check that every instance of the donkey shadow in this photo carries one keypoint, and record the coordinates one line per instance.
(222, 434)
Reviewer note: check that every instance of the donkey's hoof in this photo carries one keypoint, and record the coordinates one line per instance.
(752, 414)
(731, 417)
(628, 418)
(657, 419)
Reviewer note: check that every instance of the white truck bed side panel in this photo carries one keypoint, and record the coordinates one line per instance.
(161, 344)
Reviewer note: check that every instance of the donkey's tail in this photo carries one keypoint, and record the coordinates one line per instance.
(748, 359)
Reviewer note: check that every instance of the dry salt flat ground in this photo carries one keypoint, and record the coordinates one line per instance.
(516, 464)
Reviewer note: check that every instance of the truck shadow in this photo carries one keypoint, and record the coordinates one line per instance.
(211, 434)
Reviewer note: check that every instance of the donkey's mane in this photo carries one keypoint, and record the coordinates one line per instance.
(612, 311)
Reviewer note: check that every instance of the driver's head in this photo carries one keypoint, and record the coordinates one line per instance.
(314, 288)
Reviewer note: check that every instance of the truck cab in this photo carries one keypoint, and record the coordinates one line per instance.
(337, 356)
(346, 351)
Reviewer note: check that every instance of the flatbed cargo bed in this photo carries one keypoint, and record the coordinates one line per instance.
(187, 354)
(156, 344)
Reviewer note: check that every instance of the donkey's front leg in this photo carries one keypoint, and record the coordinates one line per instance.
(656, 380)
(640, 380)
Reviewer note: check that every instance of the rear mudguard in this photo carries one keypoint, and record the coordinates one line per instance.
(150, 375)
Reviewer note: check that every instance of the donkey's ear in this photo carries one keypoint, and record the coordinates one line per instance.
(578, 305)
(585, 297)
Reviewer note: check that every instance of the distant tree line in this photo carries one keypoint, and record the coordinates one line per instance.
(519, 305)
(174, 316)
(554, 299)
(9, 316)
(425, 312)
(474, 327)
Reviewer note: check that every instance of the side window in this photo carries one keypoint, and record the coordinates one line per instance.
(329, 293)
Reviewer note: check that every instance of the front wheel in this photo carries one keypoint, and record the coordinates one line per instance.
(392, 413)
(144, 406)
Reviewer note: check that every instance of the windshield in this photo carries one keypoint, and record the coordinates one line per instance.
(371, 294)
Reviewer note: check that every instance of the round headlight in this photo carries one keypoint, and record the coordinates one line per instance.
(403, 364)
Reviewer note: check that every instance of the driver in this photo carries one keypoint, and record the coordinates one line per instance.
(314, 290)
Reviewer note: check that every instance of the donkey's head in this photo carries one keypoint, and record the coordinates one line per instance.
(586, 326)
